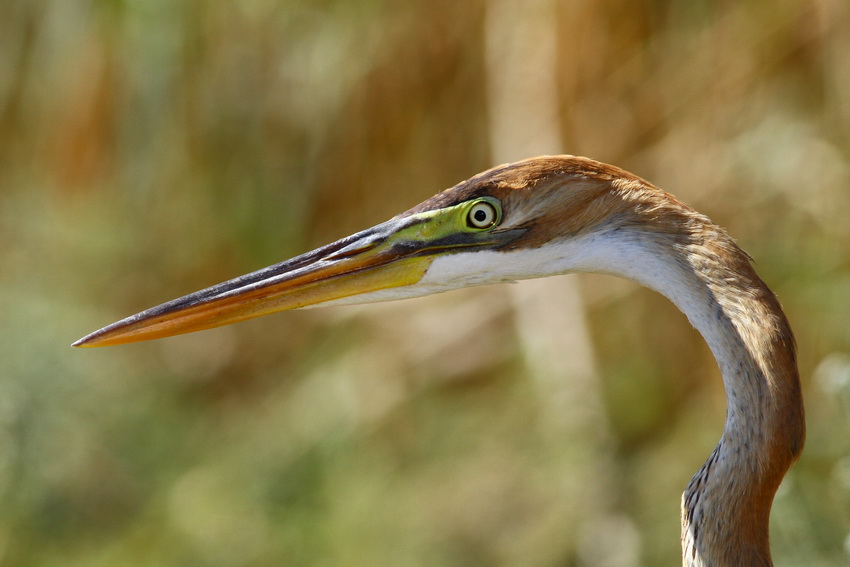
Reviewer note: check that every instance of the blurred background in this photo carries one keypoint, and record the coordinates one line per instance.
(149, 148)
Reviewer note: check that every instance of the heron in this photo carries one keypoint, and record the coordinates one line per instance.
(552, 215)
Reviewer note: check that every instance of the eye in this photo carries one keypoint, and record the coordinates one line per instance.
(482, 214)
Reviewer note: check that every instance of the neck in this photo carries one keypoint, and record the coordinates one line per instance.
(726, 506)
(669, 248)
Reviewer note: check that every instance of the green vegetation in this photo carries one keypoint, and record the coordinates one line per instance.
(152, 148)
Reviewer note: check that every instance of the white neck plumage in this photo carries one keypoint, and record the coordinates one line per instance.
(726, 506)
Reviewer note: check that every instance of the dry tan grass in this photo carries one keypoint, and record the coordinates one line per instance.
(148, 149)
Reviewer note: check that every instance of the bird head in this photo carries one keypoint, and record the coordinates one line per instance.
(512, 222)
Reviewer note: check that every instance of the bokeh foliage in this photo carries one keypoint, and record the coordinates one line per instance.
(152, 147)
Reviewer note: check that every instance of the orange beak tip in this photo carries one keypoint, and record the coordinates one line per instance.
(89, 341)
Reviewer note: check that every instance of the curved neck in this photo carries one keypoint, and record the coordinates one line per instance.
(726, 506)
(695, 264)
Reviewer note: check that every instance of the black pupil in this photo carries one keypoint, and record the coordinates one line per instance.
(480, 215)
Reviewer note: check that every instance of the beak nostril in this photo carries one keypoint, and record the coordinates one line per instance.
(348, 253)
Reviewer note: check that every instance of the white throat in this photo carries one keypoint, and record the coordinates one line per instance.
(616, 252)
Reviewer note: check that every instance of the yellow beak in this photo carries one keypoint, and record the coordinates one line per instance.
(395, 253)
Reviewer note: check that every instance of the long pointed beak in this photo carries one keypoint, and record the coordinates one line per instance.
(395, 253)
